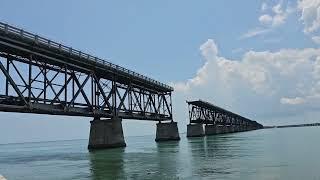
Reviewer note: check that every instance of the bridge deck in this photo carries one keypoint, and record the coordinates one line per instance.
(18, 41)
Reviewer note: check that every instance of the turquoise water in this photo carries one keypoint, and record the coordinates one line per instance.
(290, 153)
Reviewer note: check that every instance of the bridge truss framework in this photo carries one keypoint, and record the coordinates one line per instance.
(40, 76)
(202, 112)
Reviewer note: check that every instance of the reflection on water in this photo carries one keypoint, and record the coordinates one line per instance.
(107, 164)
(211, 155)
(167, 159)
(155, 163)
(215, 155)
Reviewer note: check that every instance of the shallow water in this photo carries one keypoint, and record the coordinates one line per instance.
(289, 153)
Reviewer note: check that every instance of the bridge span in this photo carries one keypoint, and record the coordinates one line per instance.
(216, 120)
(41, 76)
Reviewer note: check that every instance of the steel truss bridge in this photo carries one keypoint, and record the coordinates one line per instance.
(206, 113)
(41, 76)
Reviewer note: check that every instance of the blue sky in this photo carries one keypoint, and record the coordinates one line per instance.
(218, 48)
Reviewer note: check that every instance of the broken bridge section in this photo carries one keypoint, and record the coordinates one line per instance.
(216, 120)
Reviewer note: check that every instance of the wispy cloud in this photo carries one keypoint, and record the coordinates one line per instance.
(272, 17)
(264, 6)
(292, 101)
(254, 32)
(316, 39)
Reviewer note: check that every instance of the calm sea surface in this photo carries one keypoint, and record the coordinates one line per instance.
(291, 153)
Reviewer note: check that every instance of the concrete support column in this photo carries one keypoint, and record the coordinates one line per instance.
(223, 129)
(167, 132)
(195, 130)
(227, 129)
(213, 129)
(232, 129)
(106, 134)
(236, 128)
(254, 128)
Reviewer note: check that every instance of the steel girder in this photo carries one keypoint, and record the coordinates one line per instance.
(30, 85)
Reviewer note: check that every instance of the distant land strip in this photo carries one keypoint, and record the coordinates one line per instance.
(294, 125)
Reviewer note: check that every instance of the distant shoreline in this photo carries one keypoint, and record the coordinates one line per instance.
(293, 125)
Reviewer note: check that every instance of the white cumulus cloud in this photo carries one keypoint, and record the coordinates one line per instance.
(260, 84)
(277, 16)
(310, 14)
(265, 19)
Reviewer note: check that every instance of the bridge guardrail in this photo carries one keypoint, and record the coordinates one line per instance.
(52, 44)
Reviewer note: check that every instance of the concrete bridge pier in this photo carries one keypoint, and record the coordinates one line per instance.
(213, 129)
(195, 130)
(228, 129)
(167, 132)
(106, 133)
(224, 129)
(210, 129)
(249, 128)
(235, 128)
(241, 128)
(232, 129)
